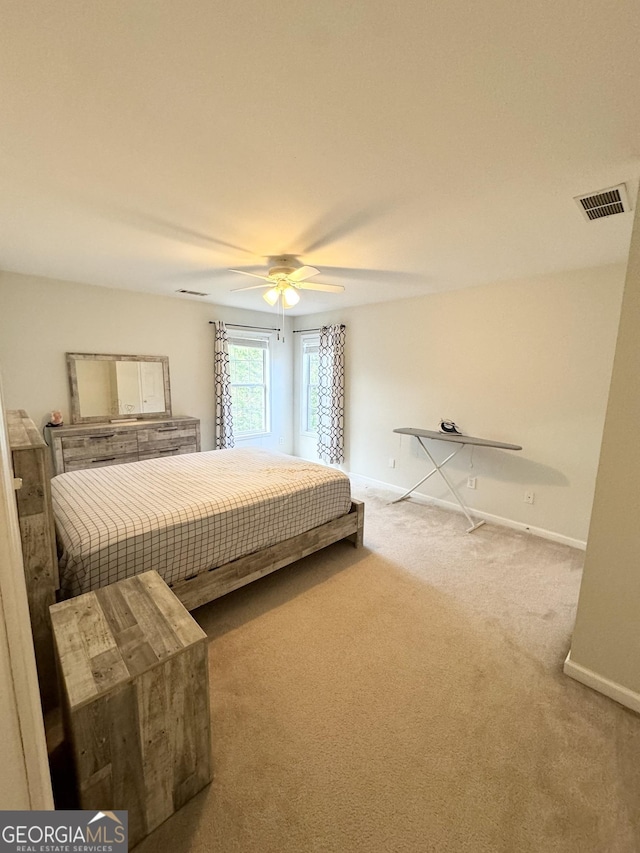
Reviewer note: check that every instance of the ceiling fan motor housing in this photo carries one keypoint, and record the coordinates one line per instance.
(280, 272)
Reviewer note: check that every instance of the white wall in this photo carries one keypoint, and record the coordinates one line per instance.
(41, 319)
(525, 362)
(605, 651)
(528, 362)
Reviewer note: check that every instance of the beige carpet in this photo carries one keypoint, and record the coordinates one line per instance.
(409, 696)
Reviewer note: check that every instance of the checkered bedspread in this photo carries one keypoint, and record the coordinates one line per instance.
(186, 514)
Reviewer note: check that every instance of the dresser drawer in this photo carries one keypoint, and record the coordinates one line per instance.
(116, 443)
(95, 445)
(170, 450)
(99, 461)
(153, 440)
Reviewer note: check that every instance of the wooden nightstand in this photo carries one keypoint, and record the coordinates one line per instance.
(135, 692)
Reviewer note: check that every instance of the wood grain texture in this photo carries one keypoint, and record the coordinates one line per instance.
(98, 635)
(23, 433)
(170, 450)
(155, 438)
(30, 461)
(212, 584)
(133, 665)
(96, 445)
(86, 446)
(99, 462)
(358, 536)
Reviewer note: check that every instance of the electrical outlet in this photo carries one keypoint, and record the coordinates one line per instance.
(392, 462)
(471, 482)
(529, 497)
(281, 440)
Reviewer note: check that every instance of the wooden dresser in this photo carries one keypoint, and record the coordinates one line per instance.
(82, 446)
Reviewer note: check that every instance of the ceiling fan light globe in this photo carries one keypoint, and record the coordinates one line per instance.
(290, 297)
(271, 296)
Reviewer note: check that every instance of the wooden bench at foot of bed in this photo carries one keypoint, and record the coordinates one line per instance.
(207, 586)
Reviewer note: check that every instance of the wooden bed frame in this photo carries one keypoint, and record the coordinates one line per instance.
(209, 585)
(41, 568)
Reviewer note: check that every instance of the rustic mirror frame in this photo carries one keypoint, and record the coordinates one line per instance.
(76, 416)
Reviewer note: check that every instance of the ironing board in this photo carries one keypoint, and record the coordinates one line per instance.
(460, 441)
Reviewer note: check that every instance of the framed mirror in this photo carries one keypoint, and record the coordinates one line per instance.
(118, 387)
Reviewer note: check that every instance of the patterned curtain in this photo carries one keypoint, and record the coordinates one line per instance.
(331, 394)
(222, 388)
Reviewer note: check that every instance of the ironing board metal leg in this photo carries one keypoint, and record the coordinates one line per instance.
(438, 467)
(433, 471)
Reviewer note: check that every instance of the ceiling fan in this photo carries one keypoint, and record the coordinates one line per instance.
(284, 280)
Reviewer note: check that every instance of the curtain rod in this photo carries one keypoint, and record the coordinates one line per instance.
(299, 331)
(242, 326)
(253, 328)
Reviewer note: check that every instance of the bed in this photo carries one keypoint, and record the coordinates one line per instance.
(207, 522)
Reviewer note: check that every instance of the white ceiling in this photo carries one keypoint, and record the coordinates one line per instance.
(153, 144)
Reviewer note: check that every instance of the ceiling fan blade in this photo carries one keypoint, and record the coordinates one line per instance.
(315, 285)
(252, 274)
(367, 275)
(338, 223)
(302, 273)
(251, 287)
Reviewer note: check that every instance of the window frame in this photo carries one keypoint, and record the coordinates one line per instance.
(313, 339)
(243, 338)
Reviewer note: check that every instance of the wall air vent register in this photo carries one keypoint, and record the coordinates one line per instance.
(604, 202)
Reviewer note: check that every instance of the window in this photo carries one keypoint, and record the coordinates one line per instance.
(310, 365)
(250, 391)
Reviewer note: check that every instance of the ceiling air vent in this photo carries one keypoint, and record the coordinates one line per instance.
(192, 292)
(604, 202)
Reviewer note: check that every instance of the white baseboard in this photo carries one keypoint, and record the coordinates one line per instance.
(359, 479)
(603, 685)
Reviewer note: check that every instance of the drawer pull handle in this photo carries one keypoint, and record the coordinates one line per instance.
(166, 429)
(168, 450)
(103, 459)
(99, 437)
